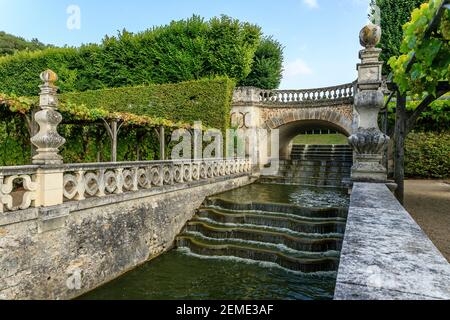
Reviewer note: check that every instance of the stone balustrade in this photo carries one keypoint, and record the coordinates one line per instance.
(306, 96)
(83, 181)
(18, 188)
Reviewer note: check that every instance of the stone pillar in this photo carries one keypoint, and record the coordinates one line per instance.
(49, 177)
(368, 141)
(245, 117)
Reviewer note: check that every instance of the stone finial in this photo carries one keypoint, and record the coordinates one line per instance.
(47, 140)
(49, 77)
(370, 36)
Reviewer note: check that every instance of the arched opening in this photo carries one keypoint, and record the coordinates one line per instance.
(289, 131)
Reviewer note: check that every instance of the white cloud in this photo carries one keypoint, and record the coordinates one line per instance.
(311, 3)
(296, 68)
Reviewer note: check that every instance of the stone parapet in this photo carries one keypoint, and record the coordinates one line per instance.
(63, 251)
(385, 254)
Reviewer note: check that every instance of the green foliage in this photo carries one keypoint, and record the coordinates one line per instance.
(13, 134)
(267, 66)
(436, 118)
(394, 14)
(10, 44)
(204, 100)
(427, 155)
(184, 50)
(432, 62)
(141, 108)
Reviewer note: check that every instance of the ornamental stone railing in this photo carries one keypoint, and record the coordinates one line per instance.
(83, 181)
(308, 96)
(18, 188)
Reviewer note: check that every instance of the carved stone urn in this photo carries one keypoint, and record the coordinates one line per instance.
(47, 140)
(370, 36)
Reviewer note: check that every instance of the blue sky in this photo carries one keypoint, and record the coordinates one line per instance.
(320, 36)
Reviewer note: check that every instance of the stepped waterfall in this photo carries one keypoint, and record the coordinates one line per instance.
(279, 238)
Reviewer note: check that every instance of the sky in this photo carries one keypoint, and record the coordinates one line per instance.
(320, 37)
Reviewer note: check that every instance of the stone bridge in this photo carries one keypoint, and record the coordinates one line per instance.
(294, 111)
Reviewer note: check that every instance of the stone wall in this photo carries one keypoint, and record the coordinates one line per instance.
(385, 254)
(68, 250)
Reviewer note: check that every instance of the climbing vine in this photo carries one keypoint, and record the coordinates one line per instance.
(141, 109)
(431, 53)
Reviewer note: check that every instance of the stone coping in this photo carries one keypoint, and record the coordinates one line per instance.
(385, 254)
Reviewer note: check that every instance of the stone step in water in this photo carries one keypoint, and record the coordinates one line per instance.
(343, 168)
(329, 183)
(321, 156)
(296, 224)
(300, 150)
(321, 146)
(319, 150)
(299, 238)
(313, 176)
(306, 265)
(323, 213)
(315, 165)
(314, 162)
(293, 240)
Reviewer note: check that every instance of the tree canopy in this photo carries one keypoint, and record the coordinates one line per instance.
(424, 58)
(267, 68)
(10, 44)
(184, 50)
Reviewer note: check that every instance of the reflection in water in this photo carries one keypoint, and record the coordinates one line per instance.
(208, 270)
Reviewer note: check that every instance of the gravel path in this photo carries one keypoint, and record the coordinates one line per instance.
(428, 201)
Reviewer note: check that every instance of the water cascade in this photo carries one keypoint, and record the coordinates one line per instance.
(295, 237)
(316, 165)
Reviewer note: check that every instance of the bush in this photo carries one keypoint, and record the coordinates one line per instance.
(267, 69)
(435, 118)
(184, 50)
(427, 155)
(204, 100)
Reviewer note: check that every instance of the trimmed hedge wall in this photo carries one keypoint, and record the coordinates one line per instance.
(427, 155)
(184, 50)
(207, 100)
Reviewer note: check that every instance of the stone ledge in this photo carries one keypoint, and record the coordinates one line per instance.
(385, 254)
(7, 218)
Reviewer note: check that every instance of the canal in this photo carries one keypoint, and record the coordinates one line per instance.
(262, 241)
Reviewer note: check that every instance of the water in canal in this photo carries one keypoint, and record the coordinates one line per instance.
(261, 241)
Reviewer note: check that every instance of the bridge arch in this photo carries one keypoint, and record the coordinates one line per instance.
(291, 123)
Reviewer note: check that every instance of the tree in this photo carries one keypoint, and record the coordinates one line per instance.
(394, 14)
(267, 65)
(10, 44)
(183, 50)
(421, 70)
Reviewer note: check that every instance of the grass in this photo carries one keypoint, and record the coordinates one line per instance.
(321, 139)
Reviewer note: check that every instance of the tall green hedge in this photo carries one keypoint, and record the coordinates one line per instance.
(427, 155)
(207, 100)
(184, 50)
